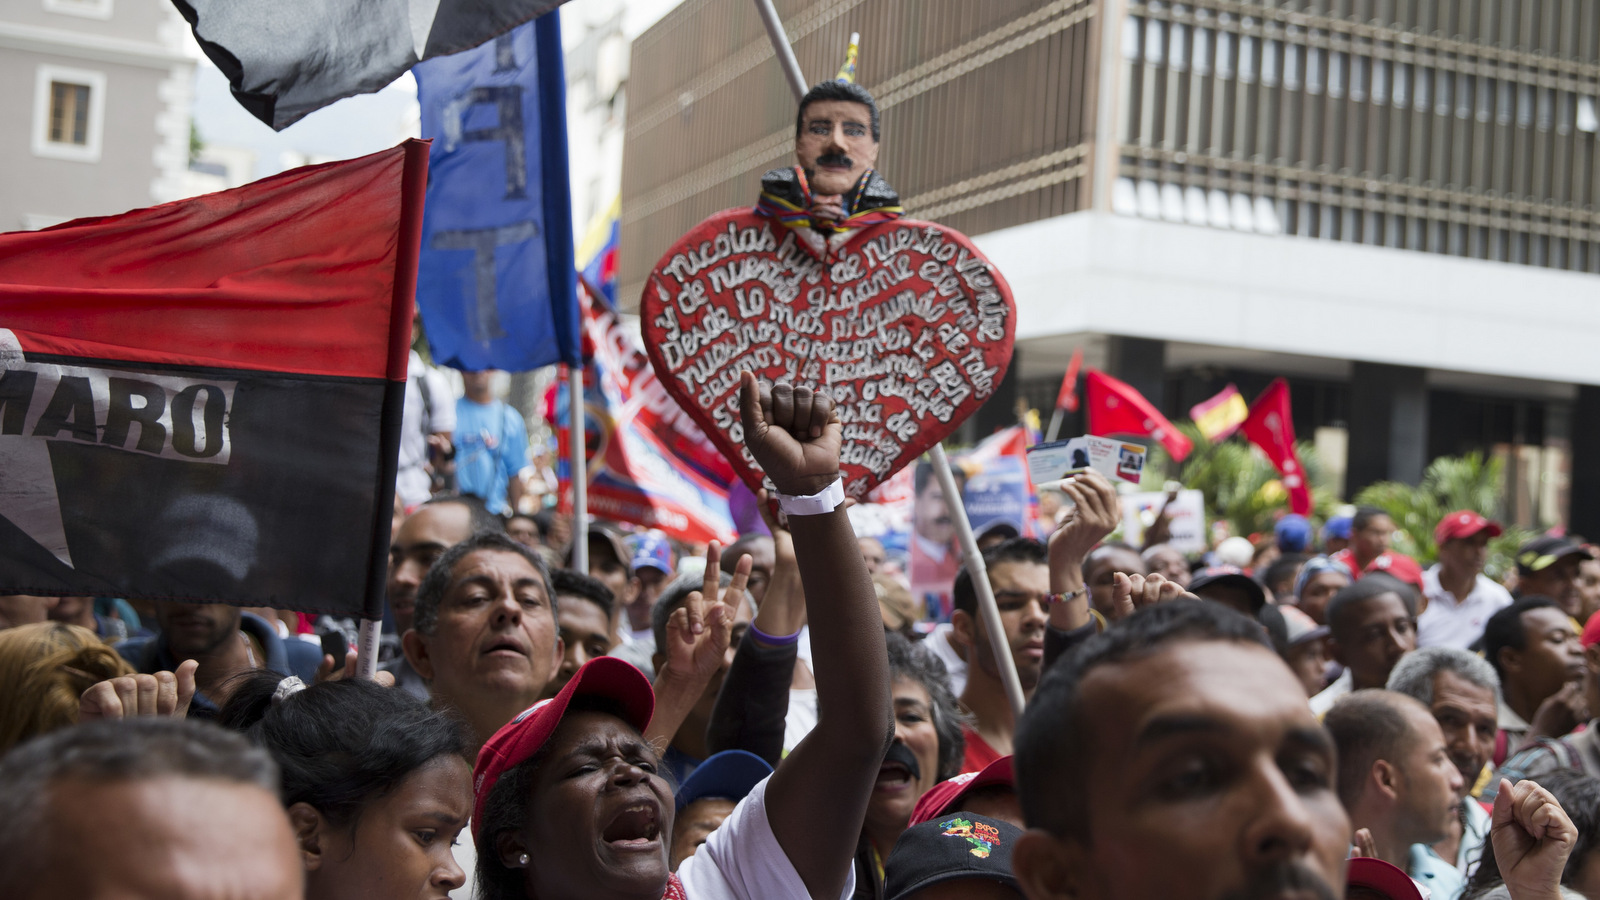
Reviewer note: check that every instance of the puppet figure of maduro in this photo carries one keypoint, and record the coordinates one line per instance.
(835, 188)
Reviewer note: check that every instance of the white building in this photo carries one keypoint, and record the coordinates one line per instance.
(96, 108)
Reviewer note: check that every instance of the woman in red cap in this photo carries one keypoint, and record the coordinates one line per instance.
(570, 798)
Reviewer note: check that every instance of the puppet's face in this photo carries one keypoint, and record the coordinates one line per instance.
(835, 145)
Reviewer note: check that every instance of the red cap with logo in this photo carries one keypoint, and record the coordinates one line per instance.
(946, 796)
(1464, 523)
(521, 738)
(1399, 565)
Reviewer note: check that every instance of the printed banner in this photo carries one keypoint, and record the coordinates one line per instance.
(647, 462)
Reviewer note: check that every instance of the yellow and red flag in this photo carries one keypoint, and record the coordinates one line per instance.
(1219, 417)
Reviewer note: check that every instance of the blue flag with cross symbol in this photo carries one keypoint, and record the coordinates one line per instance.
(496, 282)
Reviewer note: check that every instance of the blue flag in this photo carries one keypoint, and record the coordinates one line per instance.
(496, 283)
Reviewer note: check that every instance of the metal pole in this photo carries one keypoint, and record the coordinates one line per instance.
(1055, 424)
(972, 557)
(780, 46)
(941, 464)
(366, 650)
(578, 444)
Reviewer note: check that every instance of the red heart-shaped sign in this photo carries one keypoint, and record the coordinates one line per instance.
(905, 323)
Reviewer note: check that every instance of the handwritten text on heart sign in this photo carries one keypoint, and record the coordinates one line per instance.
(907, 325)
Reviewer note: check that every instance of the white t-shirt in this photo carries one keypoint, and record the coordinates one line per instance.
(1321, 703)
(742, 859)
(939, 644)
(1451, 623)
(801, 718)
(411, 480)
(466, 854)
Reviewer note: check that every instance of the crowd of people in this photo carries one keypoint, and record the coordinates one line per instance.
(779, 718)
(1310, 714)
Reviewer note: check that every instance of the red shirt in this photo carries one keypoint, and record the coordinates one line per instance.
(978, 753)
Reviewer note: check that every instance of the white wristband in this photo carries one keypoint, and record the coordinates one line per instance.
(824, 501)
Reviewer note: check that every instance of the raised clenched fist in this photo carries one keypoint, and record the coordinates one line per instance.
(794, 433)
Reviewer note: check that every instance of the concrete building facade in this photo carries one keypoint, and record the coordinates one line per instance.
(97, 108)
(1393, 203)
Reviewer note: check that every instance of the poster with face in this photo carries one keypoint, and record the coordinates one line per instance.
(905, 323)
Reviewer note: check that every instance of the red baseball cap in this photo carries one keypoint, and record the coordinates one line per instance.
(521, 738)
(1399, 565)
(946, 796)
(1385, 878)
(1591, 631)
(1464, 523)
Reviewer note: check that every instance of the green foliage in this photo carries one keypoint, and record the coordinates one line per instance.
(1241, 486)
(1450, 483)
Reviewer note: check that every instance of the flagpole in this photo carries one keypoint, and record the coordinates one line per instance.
(577, 444)
(366, 649)
(972, 560)
(1055, 424)
(780, 46)
(973, 557)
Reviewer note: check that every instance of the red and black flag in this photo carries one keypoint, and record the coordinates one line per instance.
(202, 400)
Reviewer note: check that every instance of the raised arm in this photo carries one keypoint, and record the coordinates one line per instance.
(753, 705)
(1095, 514)
(795, 435)
(697, 639)
(1532, 838)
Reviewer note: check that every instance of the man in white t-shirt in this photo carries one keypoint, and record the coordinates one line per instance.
(1460, 598)
(429, 419)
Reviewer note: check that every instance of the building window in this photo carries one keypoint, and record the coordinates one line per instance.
(88, 9)
(68, 113)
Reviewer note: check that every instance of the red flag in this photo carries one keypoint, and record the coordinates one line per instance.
(1271, 428)
(204, 398)
(1067, 399)
(1116, 408)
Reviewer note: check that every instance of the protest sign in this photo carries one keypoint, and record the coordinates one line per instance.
(202, 400)
(1188, 524)
(907, 326)
(998, 492)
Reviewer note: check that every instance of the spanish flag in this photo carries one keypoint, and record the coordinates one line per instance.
(1219, 417)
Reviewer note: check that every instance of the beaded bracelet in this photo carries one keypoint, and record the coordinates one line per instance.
(773, 639)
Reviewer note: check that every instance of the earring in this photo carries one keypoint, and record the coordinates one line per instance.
(522, 858)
